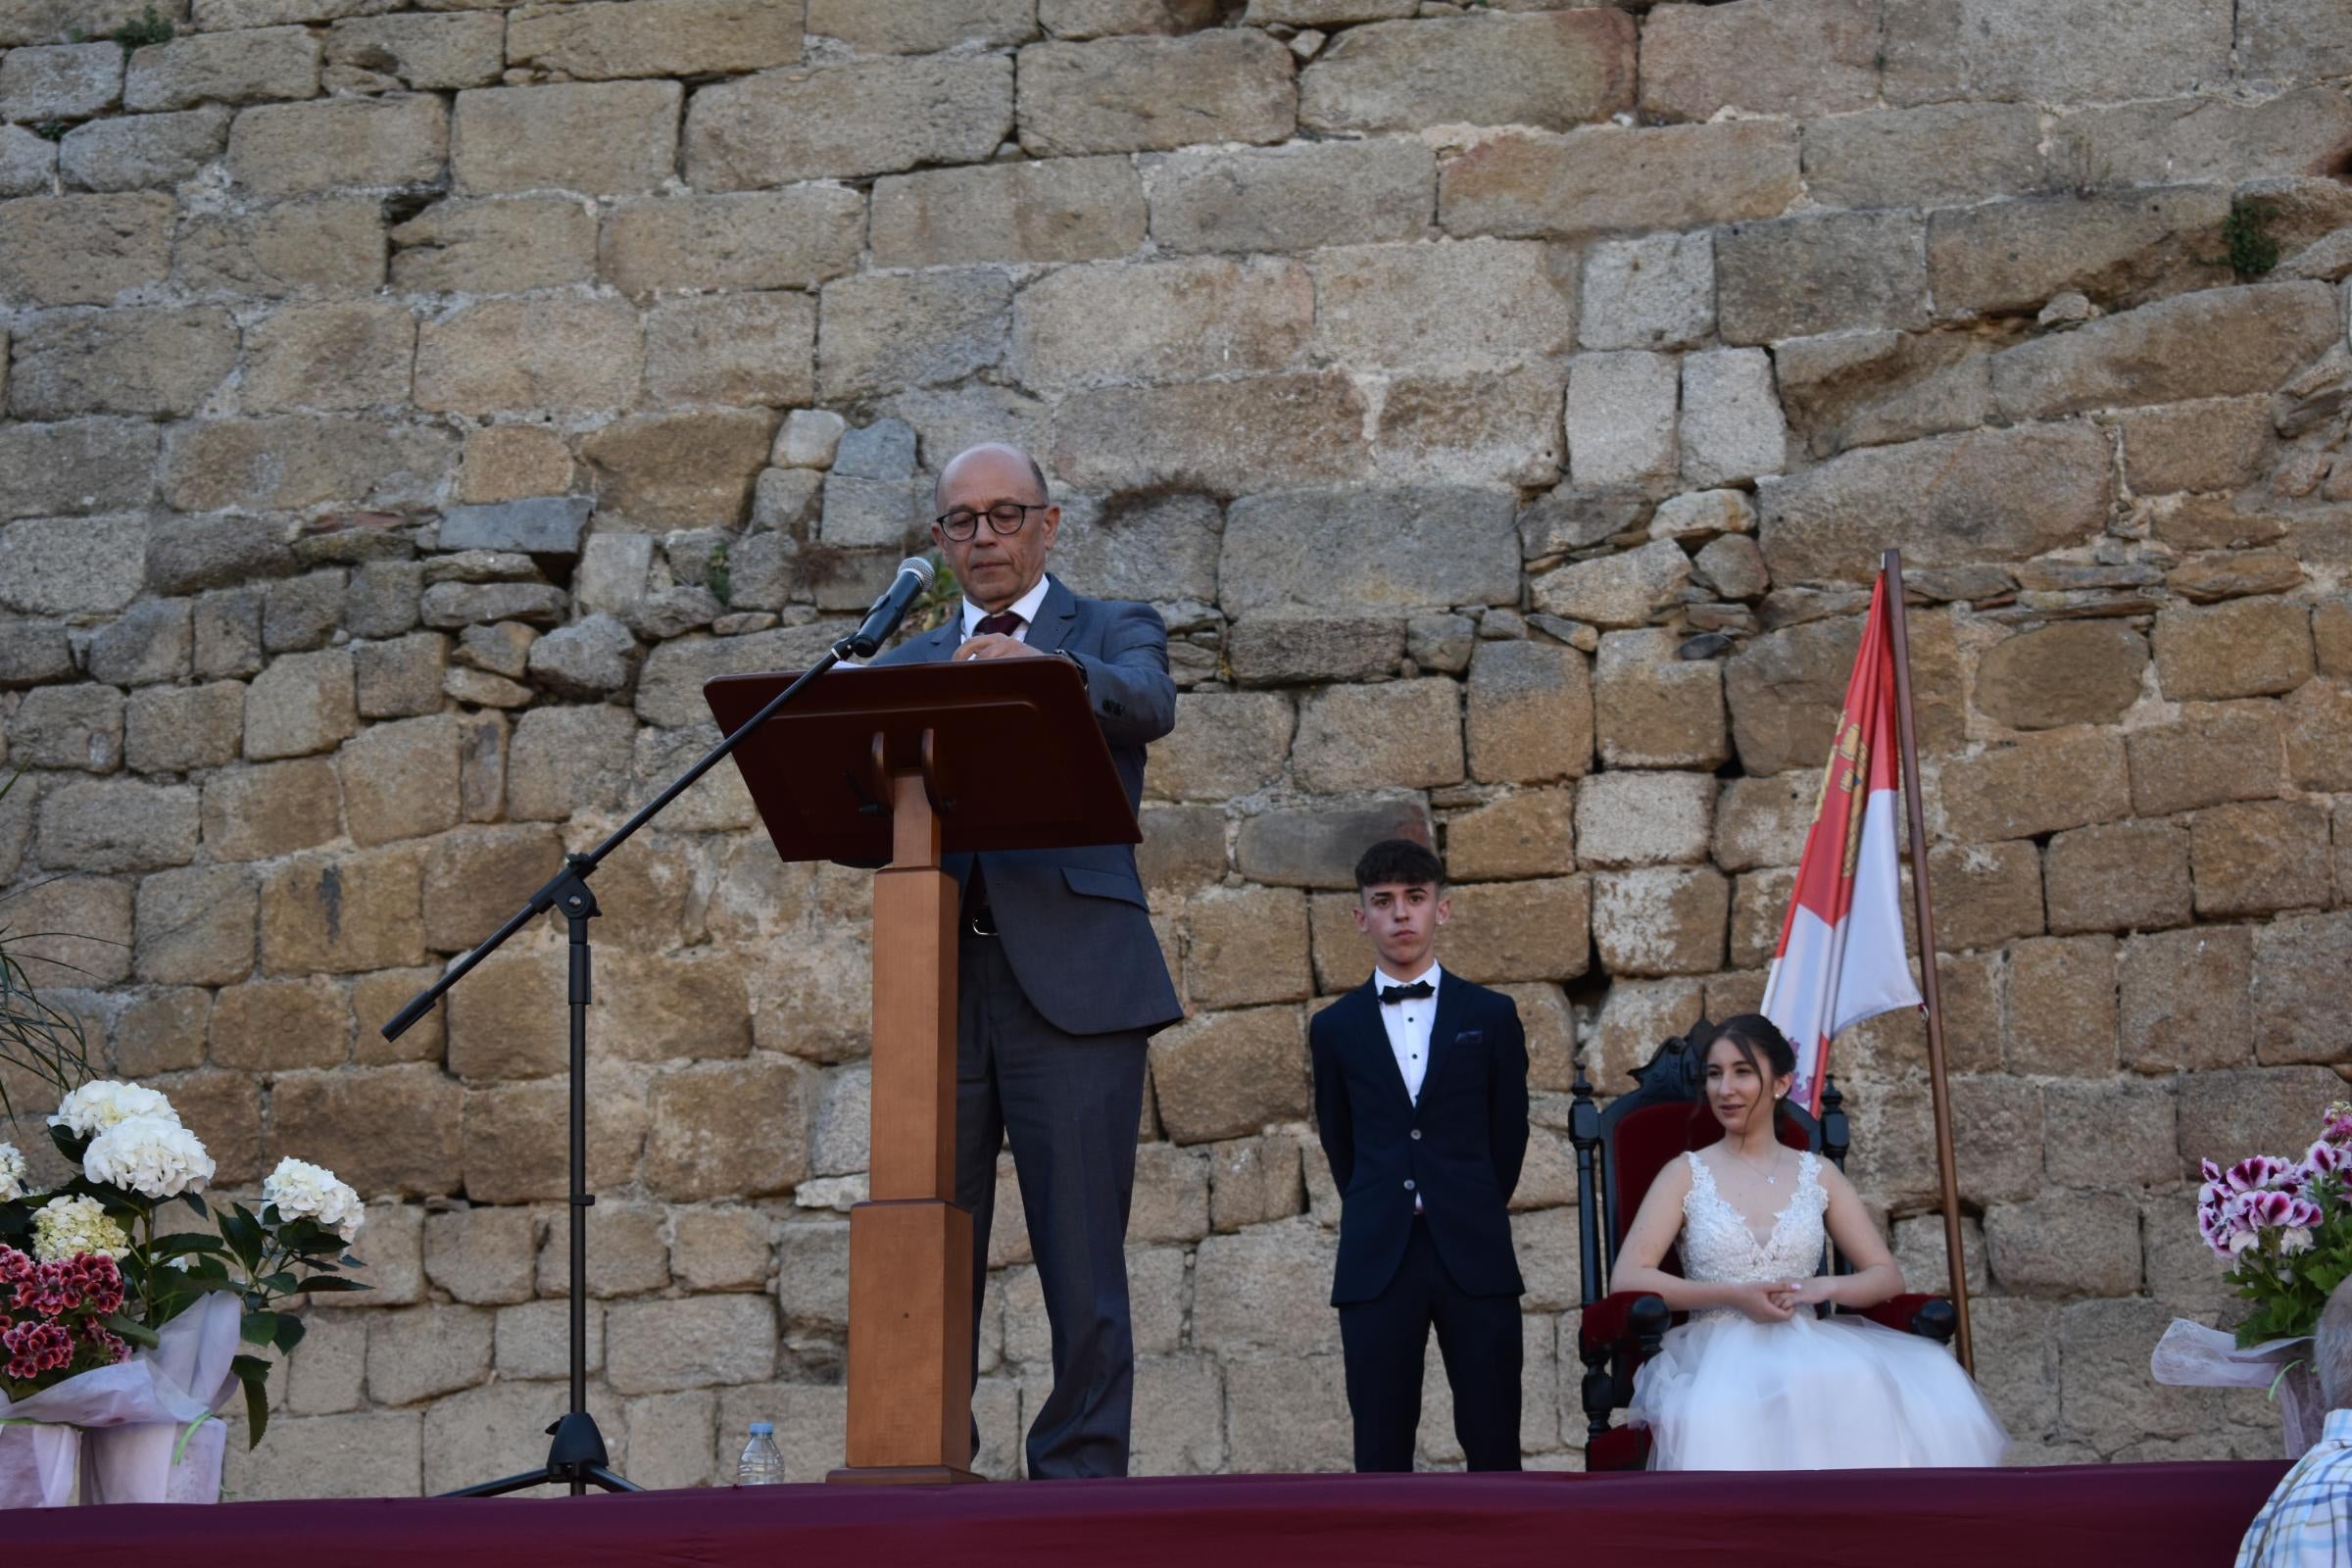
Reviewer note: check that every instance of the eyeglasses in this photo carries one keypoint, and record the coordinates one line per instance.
(1006, 518)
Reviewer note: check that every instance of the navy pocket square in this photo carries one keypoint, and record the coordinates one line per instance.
(1469, 1037)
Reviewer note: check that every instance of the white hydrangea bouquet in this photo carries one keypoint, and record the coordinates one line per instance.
(118, 1344)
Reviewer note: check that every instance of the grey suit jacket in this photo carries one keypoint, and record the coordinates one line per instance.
(1074, 924)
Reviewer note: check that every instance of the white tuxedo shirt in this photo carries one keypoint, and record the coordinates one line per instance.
(1408, 1024)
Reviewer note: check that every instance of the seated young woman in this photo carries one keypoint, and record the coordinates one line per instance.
(1754, 1380)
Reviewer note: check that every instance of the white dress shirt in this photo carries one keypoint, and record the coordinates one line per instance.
(1026, 607)
(1408, 1024)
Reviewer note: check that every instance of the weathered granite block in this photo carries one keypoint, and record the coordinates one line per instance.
(538, 524)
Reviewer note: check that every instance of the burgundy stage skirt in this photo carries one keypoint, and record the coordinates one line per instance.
(2082, 1517)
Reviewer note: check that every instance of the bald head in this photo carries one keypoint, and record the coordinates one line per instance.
(998, 494)
(998, 458)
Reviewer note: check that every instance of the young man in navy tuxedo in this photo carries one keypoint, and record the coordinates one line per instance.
(1421, 1100)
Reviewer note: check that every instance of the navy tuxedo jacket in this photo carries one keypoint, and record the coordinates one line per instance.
(1458, 1149)
(1074, 922)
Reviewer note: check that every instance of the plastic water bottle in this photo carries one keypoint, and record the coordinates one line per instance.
(761, 1465)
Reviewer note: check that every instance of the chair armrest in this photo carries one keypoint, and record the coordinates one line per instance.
(1929, 1316)
(1614, 1319)
(1618, 1448)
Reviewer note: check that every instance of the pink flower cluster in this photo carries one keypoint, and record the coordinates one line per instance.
(35, 1348)
(112, 1348)
(40, 1297)
(87, 1282)
(2264, 1199)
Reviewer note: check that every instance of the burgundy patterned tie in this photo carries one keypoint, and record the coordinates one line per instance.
(976, 914)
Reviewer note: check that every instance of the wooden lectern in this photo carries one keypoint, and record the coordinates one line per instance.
(904, 765)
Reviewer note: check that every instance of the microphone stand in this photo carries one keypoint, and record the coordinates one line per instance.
(578, 1456)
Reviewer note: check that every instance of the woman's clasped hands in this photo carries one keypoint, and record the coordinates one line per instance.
(1777, 1301)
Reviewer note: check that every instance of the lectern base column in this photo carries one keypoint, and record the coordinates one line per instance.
(911, 1344)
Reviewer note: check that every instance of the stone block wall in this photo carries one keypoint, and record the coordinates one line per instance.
(410, 406)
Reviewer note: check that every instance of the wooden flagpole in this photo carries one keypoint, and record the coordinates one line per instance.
(1945, 1168)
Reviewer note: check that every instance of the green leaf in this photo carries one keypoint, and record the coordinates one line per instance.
(259, 1328)
(324, 1283)
(182, 1244)
(254, 1373)
(170, 1304)
(290, 1330)
(195, 1202)
(136, 1332)
(123, 1207)
(308, 1237)
(243, 1233)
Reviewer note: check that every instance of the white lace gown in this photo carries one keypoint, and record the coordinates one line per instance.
(1728, 1393)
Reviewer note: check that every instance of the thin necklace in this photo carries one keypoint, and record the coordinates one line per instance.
(1772, 1178)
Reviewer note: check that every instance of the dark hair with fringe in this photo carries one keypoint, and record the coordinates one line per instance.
(1399, 860)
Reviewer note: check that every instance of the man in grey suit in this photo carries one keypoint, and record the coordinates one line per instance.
(1059, 982)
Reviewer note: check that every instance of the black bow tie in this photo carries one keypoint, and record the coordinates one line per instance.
(1413, 992)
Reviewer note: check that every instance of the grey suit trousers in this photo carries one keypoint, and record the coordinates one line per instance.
(1071, 1104)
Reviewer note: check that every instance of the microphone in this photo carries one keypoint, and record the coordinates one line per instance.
(915, 576)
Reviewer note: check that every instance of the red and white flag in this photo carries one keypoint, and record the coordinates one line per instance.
(1840, 959)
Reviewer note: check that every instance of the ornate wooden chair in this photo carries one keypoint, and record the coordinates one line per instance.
(1619, 1152)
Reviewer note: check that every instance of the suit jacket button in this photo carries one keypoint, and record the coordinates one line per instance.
(1409, 1184)
(1416, 1132)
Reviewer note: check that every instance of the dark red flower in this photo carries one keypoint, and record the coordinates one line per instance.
(50, 1291)
(97, 1280)
(44, 1347)
(111, 1346)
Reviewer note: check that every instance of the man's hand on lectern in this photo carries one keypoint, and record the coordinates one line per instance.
(995, 645)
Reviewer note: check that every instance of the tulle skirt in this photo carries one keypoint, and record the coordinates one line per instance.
(1727, 1392)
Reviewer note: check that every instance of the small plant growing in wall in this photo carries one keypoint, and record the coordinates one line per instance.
(2253, 248)
(51, 130)
(941, 600)
(718, 575)
(148, 28)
